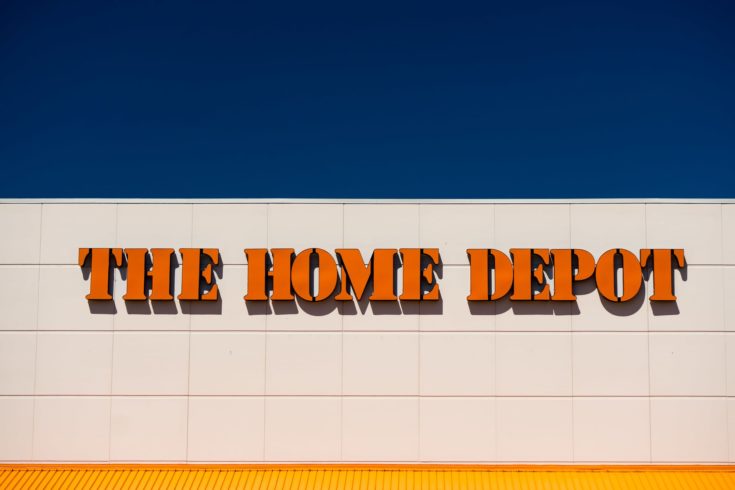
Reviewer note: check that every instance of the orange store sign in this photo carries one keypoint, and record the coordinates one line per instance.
(281, 274)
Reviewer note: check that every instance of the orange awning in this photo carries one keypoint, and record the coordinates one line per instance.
(300, 477)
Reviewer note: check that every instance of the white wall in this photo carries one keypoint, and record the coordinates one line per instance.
(440, 382)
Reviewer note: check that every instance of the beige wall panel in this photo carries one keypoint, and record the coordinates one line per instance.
(302, 226)
(227, 363)
(688, 364)
(610, 364)
(689, 430)
(16, 429)
(303, 364)
(62, 304)
(160, 422)
(697, 228)
(457, 364)
(598, 228)
(534, 429)
(303, 316)
(21, 225)
(455, 228)
(69, 227)
(531, 226)
(730, 353)
(74, 363)
(231, 228)
(532, 316)
(381, 316)
(731, 427)
(150, 363)
(533, 364)
(18, 297)
(72, 429)
(154, 225)
(457, 429)
(380, 364)
(225, 429)
(453, 312)
(230, 311)
(699, 305)
(302, 429)
(380, 429)
(372, 226)
(593, 313)
(728, 234)
(17, 363)
(611, 430)
(729, 293)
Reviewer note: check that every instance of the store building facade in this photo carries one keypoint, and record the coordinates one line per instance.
(420, 375)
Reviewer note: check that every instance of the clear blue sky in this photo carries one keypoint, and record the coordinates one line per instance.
(361, 99)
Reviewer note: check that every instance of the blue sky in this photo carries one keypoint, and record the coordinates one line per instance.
(416, 99)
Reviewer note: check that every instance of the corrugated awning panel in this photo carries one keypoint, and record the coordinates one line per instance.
(192, 477)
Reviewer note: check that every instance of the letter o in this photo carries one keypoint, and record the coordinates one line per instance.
(605, 275)
(301, 274)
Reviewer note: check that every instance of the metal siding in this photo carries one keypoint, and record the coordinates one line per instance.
(362, 478)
